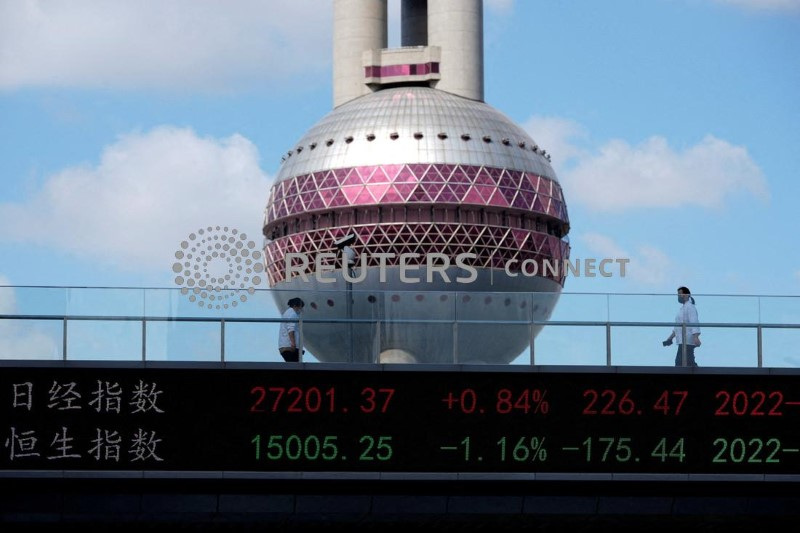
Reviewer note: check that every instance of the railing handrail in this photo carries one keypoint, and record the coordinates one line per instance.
(372, 320)
(355, 289)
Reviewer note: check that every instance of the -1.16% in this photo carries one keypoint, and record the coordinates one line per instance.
(523, 449)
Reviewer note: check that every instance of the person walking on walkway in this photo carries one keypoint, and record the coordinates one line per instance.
(288, 336)
(686, 321)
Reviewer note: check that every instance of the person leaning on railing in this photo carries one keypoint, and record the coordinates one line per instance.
(687, 320)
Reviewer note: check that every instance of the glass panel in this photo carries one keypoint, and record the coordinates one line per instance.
(641, 307)
(725, 309)
(105, 302)
(779, 309)
(571, 345)
(781, 347)
(727, 347)
(721, 346)
(577, 306)
(416, 326)
(641, 346)
(104, 340)
(31, 339)
(183, 341)
(252, 342)
(493, 327)
(45, 301)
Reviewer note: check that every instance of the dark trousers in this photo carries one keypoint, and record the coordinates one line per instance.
(290, 355)
(689, 355)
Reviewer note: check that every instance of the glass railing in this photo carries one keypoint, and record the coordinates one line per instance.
(155, 324)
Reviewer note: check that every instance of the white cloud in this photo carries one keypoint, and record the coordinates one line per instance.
(619, 176)
(558, 136)
(147, 193)
(648, 265)
(160, 43)
(652, 174)
(764, 5)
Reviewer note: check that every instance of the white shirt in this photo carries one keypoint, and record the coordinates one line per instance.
(687, 314)
(283, 335)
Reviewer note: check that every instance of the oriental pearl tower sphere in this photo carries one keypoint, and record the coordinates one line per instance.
(436, 199)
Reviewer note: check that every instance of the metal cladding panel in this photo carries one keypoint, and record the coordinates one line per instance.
(414, 125)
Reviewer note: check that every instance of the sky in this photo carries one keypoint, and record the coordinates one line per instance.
(673, 127)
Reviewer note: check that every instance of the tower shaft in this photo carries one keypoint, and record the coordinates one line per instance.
(358, 26)
(456, 26)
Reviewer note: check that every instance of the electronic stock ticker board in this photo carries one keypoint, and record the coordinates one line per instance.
(290, 420)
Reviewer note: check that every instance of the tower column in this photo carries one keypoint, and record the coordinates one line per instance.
(456, 26)
(358, 26)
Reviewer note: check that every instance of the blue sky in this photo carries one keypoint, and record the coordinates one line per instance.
(673, 126)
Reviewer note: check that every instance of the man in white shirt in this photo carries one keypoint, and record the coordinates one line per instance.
(288, 336)
(685, 319)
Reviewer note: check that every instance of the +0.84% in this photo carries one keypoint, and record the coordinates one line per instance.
(504, 401)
